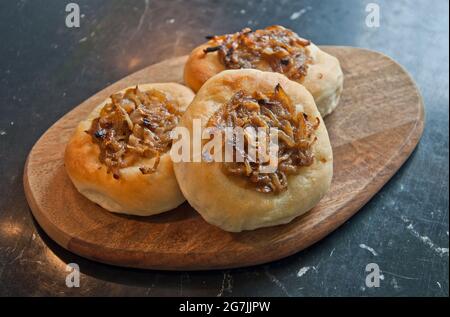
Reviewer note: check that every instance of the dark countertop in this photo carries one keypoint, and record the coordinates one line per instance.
(47, 68)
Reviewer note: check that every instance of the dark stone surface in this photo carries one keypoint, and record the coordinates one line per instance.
(47, 68)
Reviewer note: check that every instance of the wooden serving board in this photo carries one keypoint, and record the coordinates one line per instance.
(373, 131)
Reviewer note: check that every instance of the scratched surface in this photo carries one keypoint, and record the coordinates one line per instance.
(47, 68)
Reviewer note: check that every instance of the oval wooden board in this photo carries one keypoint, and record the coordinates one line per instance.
(373, 131)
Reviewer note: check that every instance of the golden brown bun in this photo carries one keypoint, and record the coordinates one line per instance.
(220, 199)
(324, 79)
(133, 193)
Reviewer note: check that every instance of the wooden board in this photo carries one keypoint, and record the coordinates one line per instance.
(373, 131)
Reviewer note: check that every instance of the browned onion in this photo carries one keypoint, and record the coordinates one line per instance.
(295, 136)
(278, 47)
(133, 125)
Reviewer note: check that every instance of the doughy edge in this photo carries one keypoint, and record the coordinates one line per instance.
(134, 193)
(324, 79)
(219, 198)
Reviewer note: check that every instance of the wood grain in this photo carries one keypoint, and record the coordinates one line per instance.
(373, 131)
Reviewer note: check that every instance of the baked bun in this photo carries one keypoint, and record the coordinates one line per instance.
(266, 50)
(235, 198)
(113, 158)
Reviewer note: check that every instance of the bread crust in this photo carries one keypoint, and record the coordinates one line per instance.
(133, 193)
(219, 198)
(324, 79)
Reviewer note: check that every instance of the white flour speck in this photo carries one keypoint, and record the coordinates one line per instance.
(296, 15)
(425, 239)
(2, 132)
(171, 21)
(332, 251)
(304, 270)
(276, 281)
(394, 283)
(243, 11)
(84, 39)
(439, 284)
(371, 250)
(227, 284)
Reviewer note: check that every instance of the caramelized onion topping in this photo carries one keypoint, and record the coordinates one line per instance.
(296, 135)
(134, 125)
(279, 48)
